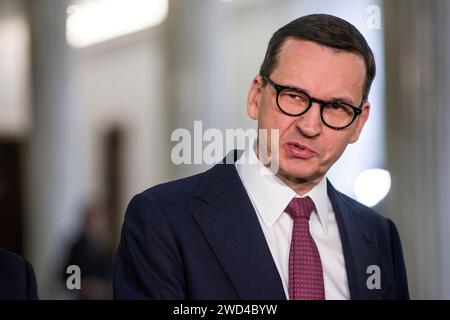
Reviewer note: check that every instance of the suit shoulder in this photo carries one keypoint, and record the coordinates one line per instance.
(367, 214)
(167, 199)
(8, 257)
(176, 188)
(17, 279)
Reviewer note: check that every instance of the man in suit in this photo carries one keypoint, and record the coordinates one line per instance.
(246, 231)
(17, 280)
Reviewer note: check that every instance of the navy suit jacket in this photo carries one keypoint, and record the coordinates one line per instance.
(200, 238)
(17, 280)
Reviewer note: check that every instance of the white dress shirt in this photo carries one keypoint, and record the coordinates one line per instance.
(270, 196)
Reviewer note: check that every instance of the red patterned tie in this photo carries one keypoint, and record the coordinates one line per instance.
(305, 267)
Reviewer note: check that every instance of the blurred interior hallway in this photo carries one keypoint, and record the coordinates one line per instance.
(95, 123)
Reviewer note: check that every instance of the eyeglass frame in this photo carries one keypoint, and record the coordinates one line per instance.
(278, 87)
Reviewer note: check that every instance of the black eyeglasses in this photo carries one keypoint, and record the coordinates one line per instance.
(294, 102)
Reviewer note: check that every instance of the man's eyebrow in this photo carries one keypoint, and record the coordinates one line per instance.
(347, 100)
(343, 99)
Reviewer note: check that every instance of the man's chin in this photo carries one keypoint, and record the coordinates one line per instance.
(298, 168)
(297, 175)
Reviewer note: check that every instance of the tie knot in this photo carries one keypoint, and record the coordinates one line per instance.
(300, 208)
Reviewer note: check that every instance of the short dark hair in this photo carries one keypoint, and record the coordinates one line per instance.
(326, 30)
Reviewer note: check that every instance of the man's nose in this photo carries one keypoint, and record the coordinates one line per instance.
(310, 123)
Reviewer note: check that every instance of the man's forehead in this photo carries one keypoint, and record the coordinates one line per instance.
(301, 48)
(312, 66)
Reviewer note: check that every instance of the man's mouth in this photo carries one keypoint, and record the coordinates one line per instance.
(299, 151)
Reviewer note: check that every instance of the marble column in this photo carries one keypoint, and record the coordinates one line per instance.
(53, 175)
(418, 138)
(198, 83)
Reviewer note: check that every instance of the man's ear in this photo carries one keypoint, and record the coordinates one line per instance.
(254, 97)
(360, 122)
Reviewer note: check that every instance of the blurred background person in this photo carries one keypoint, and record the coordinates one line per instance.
(92, 252)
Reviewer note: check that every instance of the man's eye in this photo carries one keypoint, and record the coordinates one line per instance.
(295, 96)
(336, 106)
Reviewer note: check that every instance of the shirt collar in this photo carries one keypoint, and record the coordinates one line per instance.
(319, 196)
(270, 195)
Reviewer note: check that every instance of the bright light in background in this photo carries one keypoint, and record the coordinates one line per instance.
(94, 21)
(371, 186)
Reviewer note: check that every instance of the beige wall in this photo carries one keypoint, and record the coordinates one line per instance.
(14, 67)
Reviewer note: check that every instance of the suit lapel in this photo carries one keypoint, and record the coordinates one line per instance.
(358, 245)
(229, 223)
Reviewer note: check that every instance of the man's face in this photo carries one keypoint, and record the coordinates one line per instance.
(323, 73)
